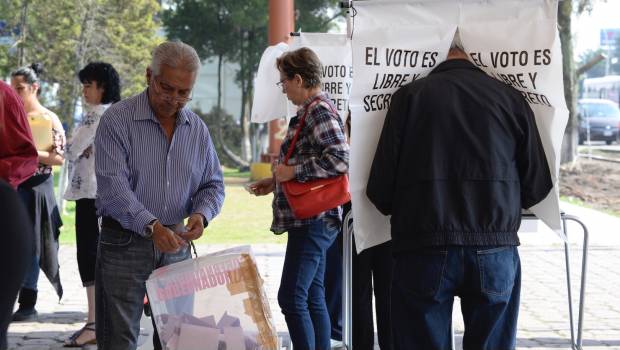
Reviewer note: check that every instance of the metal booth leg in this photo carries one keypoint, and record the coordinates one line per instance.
(347, 282)
(576, 344)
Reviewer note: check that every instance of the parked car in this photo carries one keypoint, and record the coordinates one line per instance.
(603, 117)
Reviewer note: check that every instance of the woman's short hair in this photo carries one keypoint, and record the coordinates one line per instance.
(106, 77)
(304, 62)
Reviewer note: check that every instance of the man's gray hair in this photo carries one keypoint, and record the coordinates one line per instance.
(175, 54)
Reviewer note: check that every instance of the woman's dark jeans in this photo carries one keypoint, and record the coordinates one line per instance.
(302, 294)
(333, 286)
(32, 271)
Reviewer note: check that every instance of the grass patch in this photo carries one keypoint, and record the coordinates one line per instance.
(244, 219)
(235, 173)
(67, 231)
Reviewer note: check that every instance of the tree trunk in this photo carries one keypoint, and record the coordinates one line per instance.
(82, 50)
(219, 82)
(219, 131)
(245, 75)
(21, 52)
(246, 146)
(229, 153)
(569, 144)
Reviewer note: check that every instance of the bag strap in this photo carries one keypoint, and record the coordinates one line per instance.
(191, 243)
(301, 126)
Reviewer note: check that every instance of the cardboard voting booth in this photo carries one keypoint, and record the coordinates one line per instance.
(216, 301)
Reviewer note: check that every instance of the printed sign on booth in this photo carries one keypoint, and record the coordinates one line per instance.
(334, 51)
(514, 41)
(385, 59)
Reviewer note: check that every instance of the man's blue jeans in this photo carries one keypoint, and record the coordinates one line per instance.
(302, 294)
(488, 281)
(124, 262)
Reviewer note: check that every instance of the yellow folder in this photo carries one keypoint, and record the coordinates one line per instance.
(41, 127)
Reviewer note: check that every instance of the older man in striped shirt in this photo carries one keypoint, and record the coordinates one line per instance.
(156, 165)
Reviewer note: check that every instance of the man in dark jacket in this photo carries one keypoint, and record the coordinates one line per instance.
(458, 157)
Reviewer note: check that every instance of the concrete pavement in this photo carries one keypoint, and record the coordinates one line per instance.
(543, 320)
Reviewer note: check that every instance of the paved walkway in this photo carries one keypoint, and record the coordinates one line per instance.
(543, 321)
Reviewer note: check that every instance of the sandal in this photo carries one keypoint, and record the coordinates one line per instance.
(71, 342)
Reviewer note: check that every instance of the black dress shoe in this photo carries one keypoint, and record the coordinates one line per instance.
(25, 314)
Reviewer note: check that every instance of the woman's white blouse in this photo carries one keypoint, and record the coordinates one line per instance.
(80, 153)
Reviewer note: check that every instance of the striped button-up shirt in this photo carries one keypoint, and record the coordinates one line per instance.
(321, 151)
(141, 177)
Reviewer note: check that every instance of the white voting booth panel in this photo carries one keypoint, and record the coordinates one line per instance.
(386, 57)
(334, 51)
(269, 102)
(514, 41)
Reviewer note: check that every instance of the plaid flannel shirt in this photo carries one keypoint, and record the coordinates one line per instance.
(321, 151)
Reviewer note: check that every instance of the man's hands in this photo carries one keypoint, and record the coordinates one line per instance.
(168, 241)
(195, 227)
(165, 240)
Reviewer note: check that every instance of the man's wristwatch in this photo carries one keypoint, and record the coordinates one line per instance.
(205, 223)
(148, 229)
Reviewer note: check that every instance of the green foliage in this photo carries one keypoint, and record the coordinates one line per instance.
(64, 35)
(205, 25)
(9, 12)
(131, 37)
(313, 16)
(236, 30)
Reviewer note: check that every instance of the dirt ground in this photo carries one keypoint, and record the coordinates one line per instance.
(596, 183)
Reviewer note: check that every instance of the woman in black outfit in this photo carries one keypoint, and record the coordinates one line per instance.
(14, 253)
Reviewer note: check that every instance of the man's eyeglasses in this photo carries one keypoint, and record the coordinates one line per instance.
(167, 92)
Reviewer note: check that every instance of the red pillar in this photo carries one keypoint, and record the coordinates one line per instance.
(281, 23)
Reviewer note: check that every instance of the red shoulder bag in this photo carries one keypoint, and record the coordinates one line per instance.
(308, 199)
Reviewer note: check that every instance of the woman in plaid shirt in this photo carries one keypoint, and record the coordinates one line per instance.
(321, 151)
